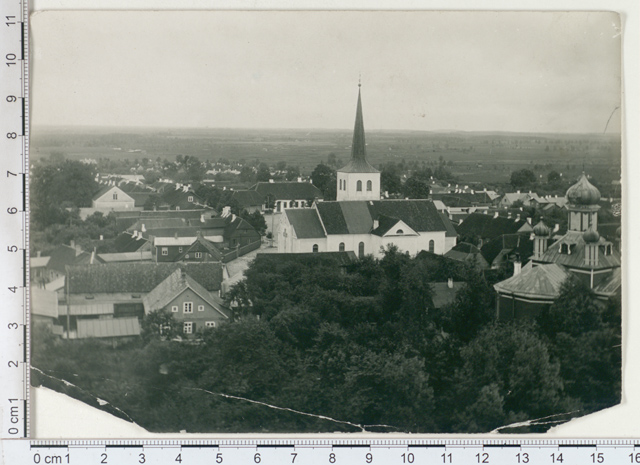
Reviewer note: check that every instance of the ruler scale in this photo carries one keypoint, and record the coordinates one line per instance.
(326, 451)
(14, 255)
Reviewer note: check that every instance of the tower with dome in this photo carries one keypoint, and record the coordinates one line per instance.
(581, 252)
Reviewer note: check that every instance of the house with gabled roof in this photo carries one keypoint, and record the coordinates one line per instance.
(188, 301)
(118, 291)
(286, 194)
(480, 227)
(249, 200)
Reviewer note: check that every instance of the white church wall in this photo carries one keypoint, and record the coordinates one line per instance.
(348, 186)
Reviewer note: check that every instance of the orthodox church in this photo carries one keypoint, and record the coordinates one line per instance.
(359, 221)
(581, 252)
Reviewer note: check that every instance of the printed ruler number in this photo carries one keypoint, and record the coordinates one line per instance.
(523, 458)
(483, 458)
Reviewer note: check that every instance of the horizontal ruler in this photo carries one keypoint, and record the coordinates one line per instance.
(324, 451)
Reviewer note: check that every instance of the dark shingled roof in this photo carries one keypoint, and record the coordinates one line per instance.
(288, 190)
(305, 223)
(488, 227)
(356, 217)
(138, 277)
(125, 242)
(332, 217)
(339, 258)
(248, 198)
(518, 243)
(420, 215)
(466, 252)
(103, 190)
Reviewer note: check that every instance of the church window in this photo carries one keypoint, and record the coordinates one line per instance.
(399, 231)
(115, 196)
(432, 246)
(369, 186)
(361, 248)
(359, 186)
(341, 247)
(315, 248)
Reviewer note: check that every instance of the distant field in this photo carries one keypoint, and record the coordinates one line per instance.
(476, 157)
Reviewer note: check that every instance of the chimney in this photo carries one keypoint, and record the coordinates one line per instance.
(450, 283)
(175, 235)
(72, 244)
(93, 256)
(518, 191)
(556, 228)
(201, 218)
(271, 180)
(509, 215)
(143, 229)
(38, 253)
(517, 217)
(376, 224)
(177, 185)
(495, 215)
(299, 179)
(529, 220)
(225, 212)
(135, 233)
(101, 238)
(517, 267)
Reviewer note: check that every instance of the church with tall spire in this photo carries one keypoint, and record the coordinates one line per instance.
(358, 180)
(359, 221)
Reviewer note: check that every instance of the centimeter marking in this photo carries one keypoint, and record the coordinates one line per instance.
(14, 220)
(327, 451)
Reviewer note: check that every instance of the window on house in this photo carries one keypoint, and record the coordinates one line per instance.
(187, 327)
(201, 308)
(174, 308)
(361, 250)
(341, 247)
(179, 249)
(369, 186)
(315, 248)
(187, 307)
(115, 196)
(190, 198)
(198, 254)
(359, 186)
(177, 208)
(432, 246)
(186, 256)
(165, 251)
(399, 231)
(564, 248)
(210, 324)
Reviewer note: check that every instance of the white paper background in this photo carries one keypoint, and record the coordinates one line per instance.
(52, 417)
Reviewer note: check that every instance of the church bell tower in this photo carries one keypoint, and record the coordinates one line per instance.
(358, 180)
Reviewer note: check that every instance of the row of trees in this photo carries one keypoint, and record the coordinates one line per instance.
(361, 344)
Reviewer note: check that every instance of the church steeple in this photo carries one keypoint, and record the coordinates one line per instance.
(358, 147)
(358, 180)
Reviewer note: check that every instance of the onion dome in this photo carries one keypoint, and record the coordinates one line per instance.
(541, 229)
(591, 235)
(583, 192)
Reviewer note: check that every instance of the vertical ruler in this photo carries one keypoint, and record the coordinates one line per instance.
(14, 254)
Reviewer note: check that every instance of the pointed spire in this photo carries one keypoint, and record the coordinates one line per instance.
(358, 151)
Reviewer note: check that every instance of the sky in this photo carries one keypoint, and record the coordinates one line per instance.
(431, 71)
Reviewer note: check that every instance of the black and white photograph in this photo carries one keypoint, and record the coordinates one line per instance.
(327, 221)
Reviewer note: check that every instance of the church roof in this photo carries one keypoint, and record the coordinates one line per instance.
(575, 259)
(358, 162)
(305, 223)
(536, 282)
(583, 192)
(356, 217)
